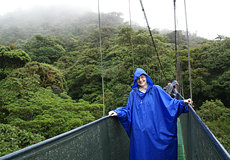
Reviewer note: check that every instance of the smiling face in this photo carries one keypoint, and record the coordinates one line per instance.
(141, 81)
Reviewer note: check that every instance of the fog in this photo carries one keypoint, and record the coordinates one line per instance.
(207, 18)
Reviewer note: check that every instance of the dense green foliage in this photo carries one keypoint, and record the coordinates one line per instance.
(210, 71)
(61, 88)
(217, 117)
(10, 59)
(44, 49)
(32, 98)
(12, 138)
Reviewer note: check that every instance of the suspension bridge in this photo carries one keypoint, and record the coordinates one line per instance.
(106, 139)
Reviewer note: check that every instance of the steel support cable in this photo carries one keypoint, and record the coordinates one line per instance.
(178, 71)
(102, 79)
(154, 67)
(182, 90)
(189, 65)
(131, 34)
(152, 39)
(174, 3)
(146, 50)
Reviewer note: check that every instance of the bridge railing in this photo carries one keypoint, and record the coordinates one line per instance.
(106, 139)
(199, 142)
(102, 139)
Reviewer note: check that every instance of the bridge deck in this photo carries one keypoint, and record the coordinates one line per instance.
(181, 153)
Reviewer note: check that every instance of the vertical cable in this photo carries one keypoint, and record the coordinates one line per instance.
(131, 34)
(146, 50)
(181, 78)
(154, 68)
(146, 46)
(102, 79)
(178, 78)
(189, 65)
(152, 39)
(174, 3)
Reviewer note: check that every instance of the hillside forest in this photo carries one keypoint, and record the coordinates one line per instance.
(51, 75)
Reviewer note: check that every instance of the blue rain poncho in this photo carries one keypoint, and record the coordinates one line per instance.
(150, 120)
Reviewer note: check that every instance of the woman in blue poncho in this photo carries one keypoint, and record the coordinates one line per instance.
(150, 120)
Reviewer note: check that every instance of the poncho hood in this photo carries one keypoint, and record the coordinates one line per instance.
(174, 83)
(138, 72)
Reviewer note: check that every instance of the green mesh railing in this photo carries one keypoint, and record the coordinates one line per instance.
(200, 143)
(104, 139)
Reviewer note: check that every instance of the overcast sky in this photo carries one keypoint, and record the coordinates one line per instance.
(206, 17)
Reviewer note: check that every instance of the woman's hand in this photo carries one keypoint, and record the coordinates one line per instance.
(189, 101)
(112, 113)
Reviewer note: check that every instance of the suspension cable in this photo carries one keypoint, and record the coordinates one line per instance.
(189, 65)
(131, 35)
(181, 77)
(102, 79)
(177, 78)
(146, 56)
(178, 71)
(152, 39)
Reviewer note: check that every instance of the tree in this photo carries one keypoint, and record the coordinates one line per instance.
(11, 58)
(13, 139)
(217, 118)
(28, 100)
(44, 49)
(220, 37)
(209, 70)
(84, 77)
(67, 61)
(181, 39)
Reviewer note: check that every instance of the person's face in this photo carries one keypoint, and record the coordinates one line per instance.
(141, 81)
